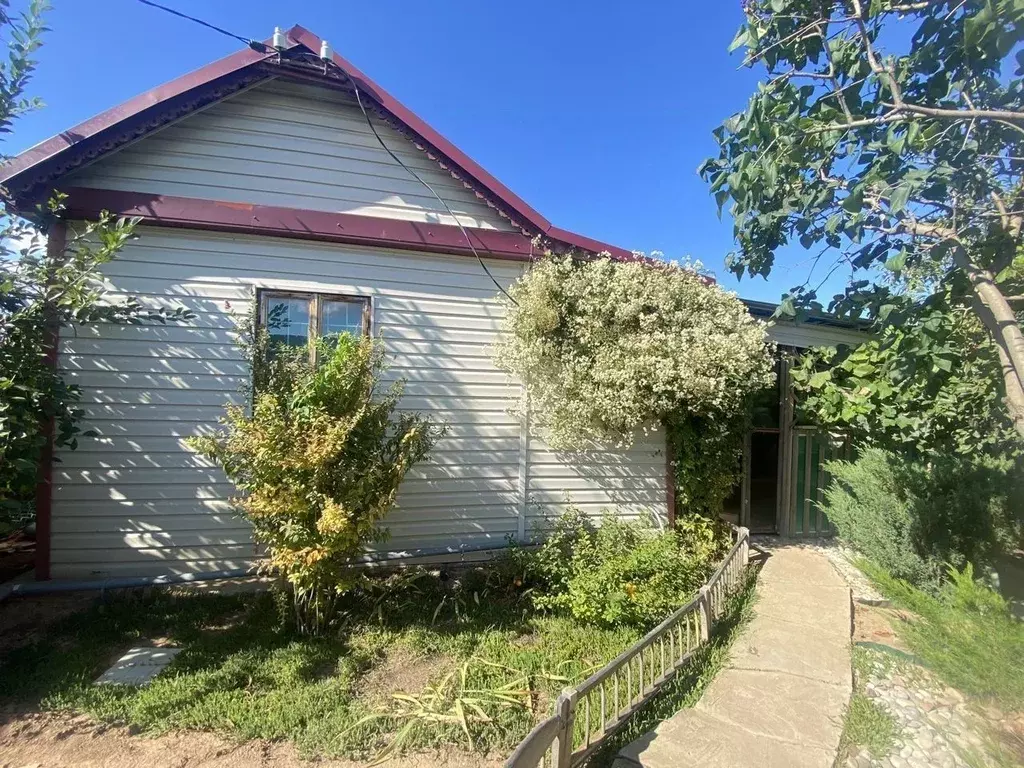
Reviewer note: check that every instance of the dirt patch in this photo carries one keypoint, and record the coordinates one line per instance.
(25, 620)
(402, 670)
(875, 625)
(65, 741)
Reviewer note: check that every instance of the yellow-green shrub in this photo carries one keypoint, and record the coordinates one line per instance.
(318, 461)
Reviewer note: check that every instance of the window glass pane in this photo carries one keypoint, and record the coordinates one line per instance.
(341, 317)
(288, 320)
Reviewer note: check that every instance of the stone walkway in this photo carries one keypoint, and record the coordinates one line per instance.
(936, 728)
(779, 703)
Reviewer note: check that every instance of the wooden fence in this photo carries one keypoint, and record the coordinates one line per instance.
(587, 714)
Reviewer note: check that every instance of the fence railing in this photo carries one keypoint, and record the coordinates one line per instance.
(587, 714)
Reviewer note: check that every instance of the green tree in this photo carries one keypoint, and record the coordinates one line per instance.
(929, 387)
(889, 137)
(42, 289)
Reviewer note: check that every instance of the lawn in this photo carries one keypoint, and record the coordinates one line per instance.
(416, 664)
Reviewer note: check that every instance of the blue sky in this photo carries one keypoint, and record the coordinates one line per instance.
(597, 114)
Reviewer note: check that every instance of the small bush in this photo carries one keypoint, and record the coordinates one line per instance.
(911, 518)
(319, 460)
(620, 573)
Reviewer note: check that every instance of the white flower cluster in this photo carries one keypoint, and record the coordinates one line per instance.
(606, 348)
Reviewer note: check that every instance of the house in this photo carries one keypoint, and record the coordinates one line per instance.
(259, 178)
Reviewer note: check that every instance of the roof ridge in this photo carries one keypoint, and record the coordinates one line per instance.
(37, 166)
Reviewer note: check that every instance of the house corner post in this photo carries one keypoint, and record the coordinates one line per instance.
(523, 484)
(55, 245)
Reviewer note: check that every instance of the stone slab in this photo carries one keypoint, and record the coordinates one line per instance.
(138, 666)
(778, 706)
(826, 608)
(800, 565)
(797, 648)
(698, 739)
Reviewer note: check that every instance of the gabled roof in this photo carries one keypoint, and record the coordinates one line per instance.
(33, 172)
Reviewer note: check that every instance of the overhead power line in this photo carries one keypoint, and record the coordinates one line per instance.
(263, 48)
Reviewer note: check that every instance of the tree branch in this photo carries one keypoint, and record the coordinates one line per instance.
(831, 76)
(1002, 115)
(869, 50)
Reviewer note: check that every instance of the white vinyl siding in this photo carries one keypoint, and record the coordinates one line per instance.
(294, 145)
(807, 335)
(136, 500)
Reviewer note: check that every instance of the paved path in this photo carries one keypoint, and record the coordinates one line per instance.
(779, 703)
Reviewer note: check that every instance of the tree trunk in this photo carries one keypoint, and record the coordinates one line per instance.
(999, 319)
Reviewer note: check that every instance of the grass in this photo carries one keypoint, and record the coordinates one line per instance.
(867, 724)
(494, 668)
(966, 635)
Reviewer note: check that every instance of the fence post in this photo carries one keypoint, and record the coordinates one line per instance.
(745, 538)
(562, 751)
(705, 614)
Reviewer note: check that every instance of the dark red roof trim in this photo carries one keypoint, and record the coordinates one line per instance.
(275, 221)
(32, 172)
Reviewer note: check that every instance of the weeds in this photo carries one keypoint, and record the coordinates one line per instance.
(867, 724)
(243, 672)
(966, 635)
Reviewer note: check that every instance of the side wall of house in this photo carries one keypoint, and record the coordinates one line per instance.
(136, 500)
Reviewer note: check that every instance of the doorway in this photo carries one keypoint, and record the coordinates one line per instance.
(763, 473)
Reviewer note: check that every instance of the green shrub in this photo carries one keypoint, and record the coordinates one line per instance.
(870, 509)
(620, 573)
(965, 632)
(319, 460)
(912, 518)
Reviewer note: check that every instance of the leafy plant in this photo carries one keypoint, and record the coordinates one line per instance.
(706, 459)
(911, 517)
(965, 633)
(607, 348)
(621, 573)
(928, 387)
(41, 292)
(887, 136)
(319, 460)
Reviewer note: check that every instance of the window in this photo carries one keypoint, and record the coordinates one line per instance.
(295, 318)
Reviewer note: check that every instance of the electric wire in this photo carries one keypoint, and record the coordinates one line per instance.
(258, 46)
(418, 178)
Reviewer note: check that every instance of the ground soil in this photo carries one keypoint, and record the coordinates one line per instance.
(24, 620)
(71, 741)
(402, 671)
(873, 624)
